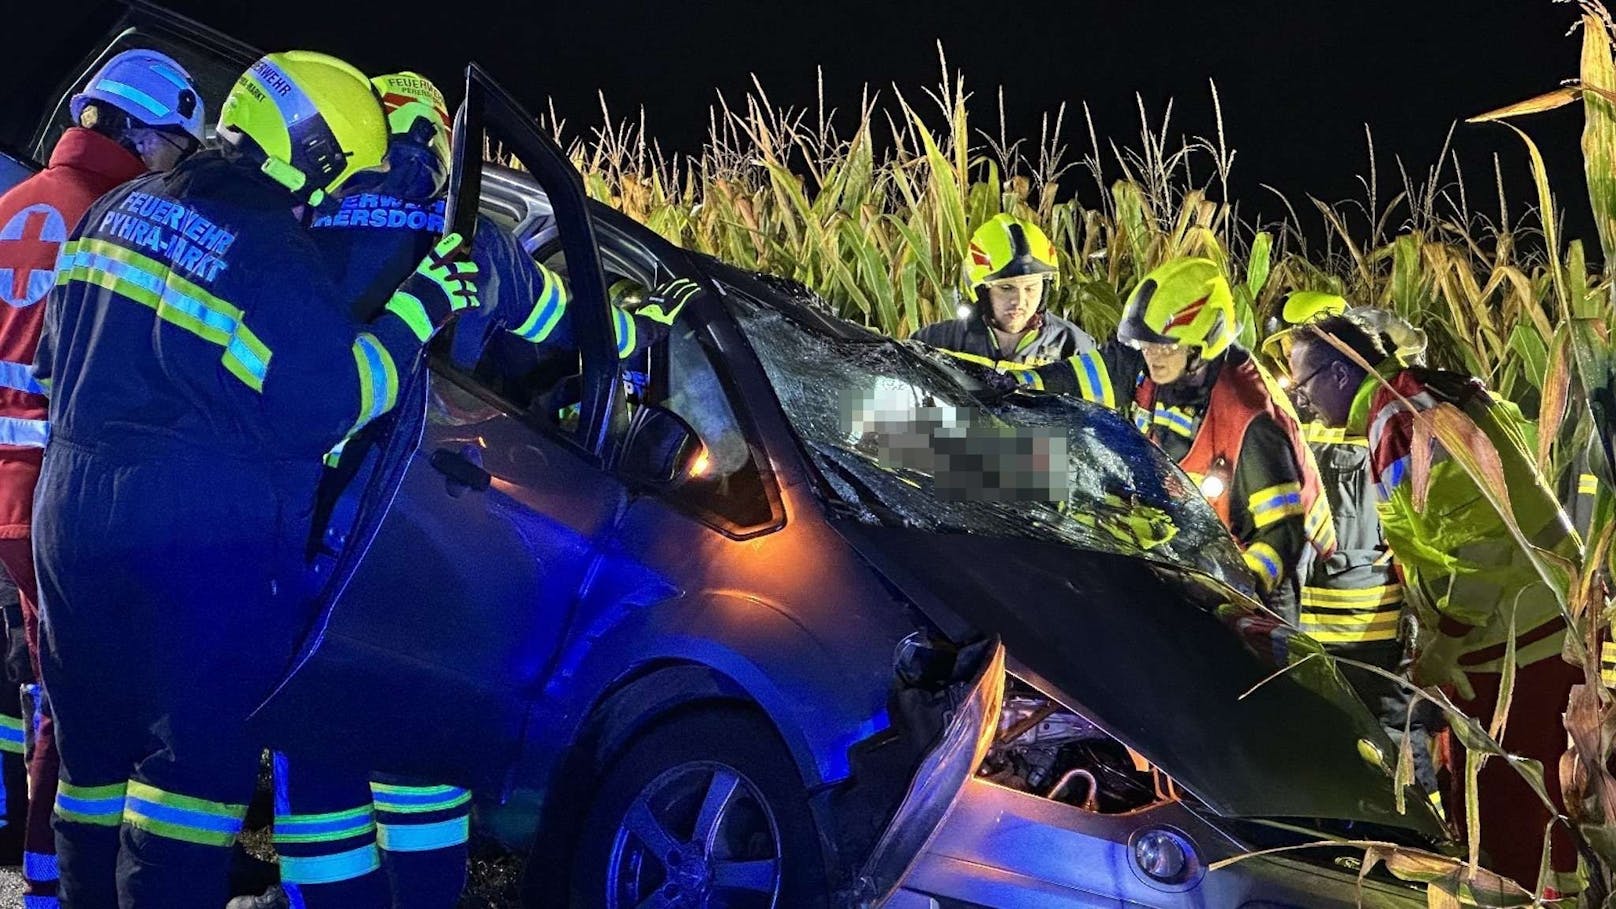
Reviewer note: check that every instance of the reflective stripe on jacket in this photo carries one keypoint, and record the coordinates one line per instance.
(1271, 500)
(1354, 596)
(373, 241)
(193, 314)
(1240, 394)
(36, 216)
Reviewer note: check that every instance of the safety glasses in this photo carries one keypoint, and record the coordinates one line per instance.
(1298, 389)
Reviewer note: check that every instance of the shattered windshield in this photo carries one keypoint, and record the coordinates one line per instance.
(906, 438)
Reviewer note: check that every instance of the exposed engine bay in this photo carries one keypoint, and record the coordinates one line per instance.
(1046, 750)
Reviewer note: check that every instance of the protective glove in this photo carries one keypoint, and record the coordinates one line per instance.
(1438, 664)
(441, 286)
(664, 303)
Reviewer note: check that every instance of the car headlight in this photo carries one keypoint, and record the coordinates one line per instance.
(1166, 858)
(937, 783)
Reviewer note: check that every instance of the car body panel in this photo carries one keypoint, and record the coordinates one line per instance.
(1001, 847)
(1130, 650)
(14, 169)
(743, 610)
(503, 565)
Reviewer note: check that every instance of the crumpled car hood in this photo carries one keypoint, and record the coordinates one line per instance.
(1143, 652)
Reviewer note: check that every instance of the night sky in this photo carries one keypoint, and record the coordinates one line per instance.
(1298, 79)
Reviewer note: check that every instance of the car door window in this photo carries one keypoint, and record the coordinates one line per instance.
(539, 382)
(732, 489)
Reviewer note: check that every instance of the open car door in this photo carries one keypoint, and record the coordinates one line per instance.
(475, 533)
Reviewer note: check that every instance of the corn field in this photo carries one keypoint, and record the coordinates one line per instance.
(873, 211)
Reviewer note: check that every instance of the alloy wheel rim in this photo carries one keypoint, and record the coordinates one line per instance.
(698, 836)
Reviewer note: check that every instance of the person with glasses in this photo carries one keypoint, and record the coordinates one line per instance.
(1482, 600)
(140, 113)
(1353, 602)
(1012, 274)
(1176, 370)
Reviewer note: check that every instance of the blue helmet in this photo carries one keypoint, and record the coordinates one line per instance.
(152, 88)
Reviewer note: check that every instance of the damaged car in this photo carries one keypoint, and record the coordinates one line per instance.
(784, 613)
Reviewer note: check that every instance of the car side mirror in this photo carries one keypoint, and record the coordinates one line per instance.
(662, 450)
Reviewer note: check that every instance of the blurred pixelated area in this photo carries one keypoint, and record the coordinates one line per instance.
(969, 455)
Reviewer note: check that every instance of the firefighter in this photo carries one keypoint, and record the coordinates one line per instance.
(386, 221)
(1176, 370)
(1473, 585)
(1352, 602)
(140, 112)
(200, 364)
(403, 836)
(1011, 272)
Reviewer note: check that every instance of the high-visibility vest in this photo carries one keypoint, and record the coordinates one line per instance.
(1239, 396)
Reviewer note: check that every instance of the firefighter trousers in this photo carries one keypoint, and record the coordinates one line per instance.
(39, 842)
(346, 840)
(1393, 704)
(13, 775)
(171, 607)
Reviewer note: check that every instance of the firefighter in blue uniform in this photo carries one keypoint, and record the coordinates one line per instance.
(344, 840)
(200, 364)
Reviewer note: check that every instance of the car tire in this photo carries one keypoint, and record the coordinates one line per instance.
(705, 809)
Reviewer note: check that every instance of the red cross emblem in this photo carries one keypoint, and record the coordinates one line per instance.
(29, 242)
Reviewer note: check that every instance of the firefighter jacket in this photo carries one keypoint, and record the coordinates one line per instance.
(1225, 427)
(1049, 339)
(1460, 565)
(373, 240)
(193, 317)
(1354, 596)
(35, 218)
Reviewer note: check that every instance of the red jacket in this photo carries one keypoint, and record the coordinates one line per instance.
(36, 217)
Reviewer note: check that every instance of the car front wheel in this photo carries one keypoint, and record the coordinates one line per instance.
(704, 811)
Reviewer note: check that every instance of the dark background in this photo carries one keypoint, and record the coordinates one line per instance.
(1298, 79)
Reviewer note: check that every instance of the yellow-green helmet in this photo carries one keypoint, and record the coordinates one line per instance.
(1309, 305)
(1007, 247)
(313, 119)
(410, 100)
(1301, 307)
(1185, 301)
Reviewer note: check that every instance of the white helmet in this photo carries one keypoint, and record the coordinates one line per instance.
(152, 88)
